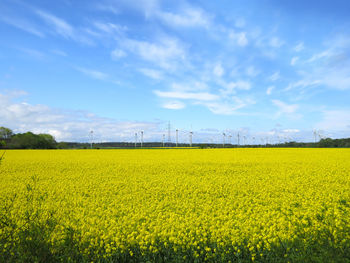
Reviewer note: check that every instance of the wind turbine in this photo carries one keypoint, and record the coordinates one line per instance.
(141, 139)
(177, 137)
(315, 135)
(91, 138)
(191, 133)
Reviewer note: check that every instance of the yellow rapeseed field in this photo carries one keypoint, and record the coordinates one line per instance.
(178, 205)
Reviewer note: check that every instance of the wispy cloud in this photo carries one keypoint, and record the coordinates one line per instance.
(218, 70)
(174, 105)
(59, 52)
(335, 120)
(240, 38)
(232, 87)
(251, 71)
(275, 76)
(284, 108)
(225, 107)
(188, 17)
(329, 68)
(109, 28)
(165, 53)
(61, 27)
(32, 53)
(69, 125)
(294, 60)
(93, 73)
(276, 42)
(269, 90)
(151, 73)
(299, 47)
(22, 24)
(200, 96)
(118, 54)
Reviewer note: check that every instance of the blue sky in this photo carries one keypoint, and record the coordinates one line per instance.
(276, 69)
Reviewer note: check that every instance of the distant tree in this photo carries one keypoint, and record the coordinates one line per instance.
(30, 140)
(2, 144)
(327, 142)
(62, 145)
(47, 141)
(5, 133)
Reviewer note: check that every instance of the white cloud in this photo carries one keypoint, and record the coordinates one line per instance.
(174, 105)
(240, 22)
(218, 70)
(242, 39)
(151, 73)
(164, 53)
(275, 42)
(335, 120)
(323, 54)
(299, 47)
(329, 68)
(61, 27)
(294, 60)
(302, 84)
(275, 76)
(68, 125)
(108, 7)
(23, 25)
(188, 17)
(231, 87)
(118, 54)
(59, 52)
(251, 71)
(93, 73)
(291, 130)
(226, 107)
(32, 53)
(284, 107)
(200, 96)
(269, 90)
(239, 38)
(109, 28)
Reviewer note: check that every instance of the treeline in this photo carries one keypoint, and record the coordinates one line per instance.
(29, 140)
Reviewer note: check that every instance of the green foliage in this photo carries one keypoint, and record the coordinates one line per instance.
(62, 145)
(30, 140)
(5, 133)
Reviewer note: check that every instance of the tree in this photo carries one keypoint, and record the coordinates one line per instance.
(5, 136)
(5, 133)
(30, 140)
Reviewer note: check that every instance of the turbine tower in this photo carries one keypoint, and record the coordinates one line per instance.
(191, 133)
(141, 139)
(169, 133)
(91, 138)
(177, 137)
(315, 135)
(163, 139)
(238, 138)
(223, 139)
(135, 139)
